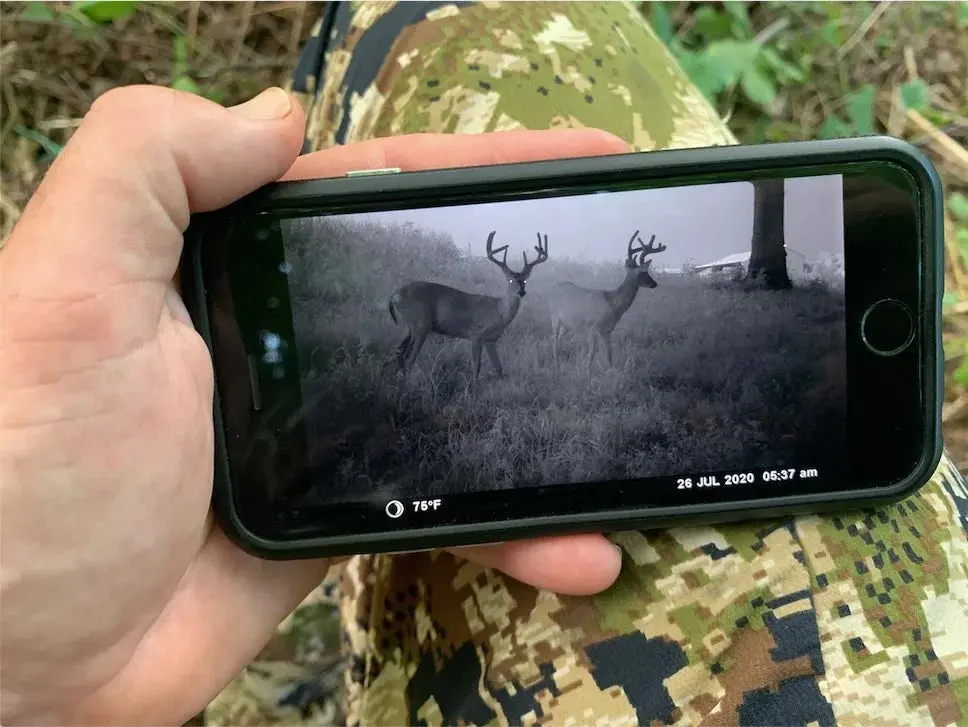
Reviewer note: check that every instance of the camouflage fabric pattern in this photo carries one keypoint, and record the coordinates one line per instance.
(297, 678)
(396, 68)
(856, 619)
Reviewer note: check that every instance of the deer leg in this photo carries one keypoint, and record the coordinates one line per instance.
(416, 344)
(607, 339)
(555, 343)
(476, 356)
(491, 348)
(592, 350)
(402, 351)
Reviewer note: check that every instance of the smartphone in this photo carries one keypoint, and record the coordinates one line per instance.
(414, 360)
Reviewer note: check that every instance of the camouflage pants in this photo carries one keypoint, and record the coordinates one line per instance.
(858, 619)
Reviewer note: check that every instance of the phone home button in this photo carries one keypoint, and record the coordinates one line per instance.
(887, 327)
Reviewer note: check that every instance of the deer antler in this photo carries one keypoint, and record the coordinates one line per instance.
(650, 249)
(491, 253)
(632, 252)
(542, 255)
(642, 250)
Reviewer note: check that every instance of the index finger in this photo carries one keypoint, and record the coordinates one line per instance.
(418, 152)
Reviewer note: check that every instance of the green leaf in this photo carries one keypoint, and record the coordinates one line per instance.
(914, 94)
(785, 72)
(830, 34)
(81, 26)
(961, 241)
(860, 109)
(950, 299)
(741, 19)
(958, 206)
(834, 127)
(758, 87)
(106, 11)
(213, 94)
(186, 83)
(703, 73)
(711, 24)
(179, 51)
(51, 147)
(961, 373)
(963, 14)
(37, 13)
(661, 22)
(732, 58)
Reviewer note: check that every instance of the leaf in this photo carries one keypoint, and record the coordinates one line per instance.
(963, 14)
(914, 94)
(186, 83)
(961, 373)
(737, 11)
(732, 58)
(661, 22)
(834, 127)
(37, 13)
(830, 34)
(703, 73)
(81, 25)
(784, 71)
(758, 87)
(958, 206)
(179, 51)
(950, 299)
(213, 94)
(860, 109)
(106, 11)
(51, 147)
(961, 241)
(711, 24)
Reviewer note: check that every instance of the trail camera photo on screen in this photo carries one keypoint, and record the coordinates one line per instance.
(614, 335)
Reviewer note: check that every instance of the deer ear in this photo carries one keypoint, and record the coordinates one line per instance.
(647, 264)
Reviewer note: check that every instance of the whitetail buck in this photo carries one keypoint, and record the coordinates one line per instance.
(597, 312)
(426, 308)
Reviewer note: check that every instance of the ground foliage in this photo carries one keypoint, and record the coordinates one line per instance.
(707, 374)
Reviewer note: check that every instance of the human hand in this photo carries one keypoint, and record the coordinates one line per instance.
(122, 602)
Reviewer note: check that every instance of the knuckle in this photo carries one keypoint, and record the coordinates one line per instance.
(127, 99)
(133, 117)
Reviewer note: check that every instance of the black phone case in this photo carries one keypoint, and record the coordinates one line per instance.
(701, 164)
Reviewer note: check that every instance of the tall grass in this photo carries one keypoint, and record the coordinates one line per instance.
(707, 375)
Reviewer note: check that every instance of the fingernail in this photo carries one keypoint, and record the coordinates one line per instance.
(270, 105)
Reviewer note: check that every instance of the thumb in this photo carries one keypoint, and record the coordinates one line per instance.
(115, 203)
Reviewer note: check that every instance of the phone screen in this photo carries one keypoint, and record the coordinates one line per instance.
(617, 360)
(556, 352)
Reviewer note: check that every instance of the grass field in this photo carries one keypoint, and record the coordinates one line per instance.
(707, 375)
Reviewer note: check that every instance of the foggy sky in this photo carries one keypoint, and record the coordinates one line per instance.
(699, 223)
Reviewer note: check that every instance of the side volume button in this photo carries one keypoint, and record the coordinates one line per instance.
(372, 172)
(254, 383)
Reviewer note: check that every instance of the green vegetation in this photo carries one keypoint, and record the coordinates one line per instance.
(956, 301)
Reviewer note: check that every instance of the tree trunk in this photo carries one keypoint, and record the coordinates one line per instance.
(768, 256)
